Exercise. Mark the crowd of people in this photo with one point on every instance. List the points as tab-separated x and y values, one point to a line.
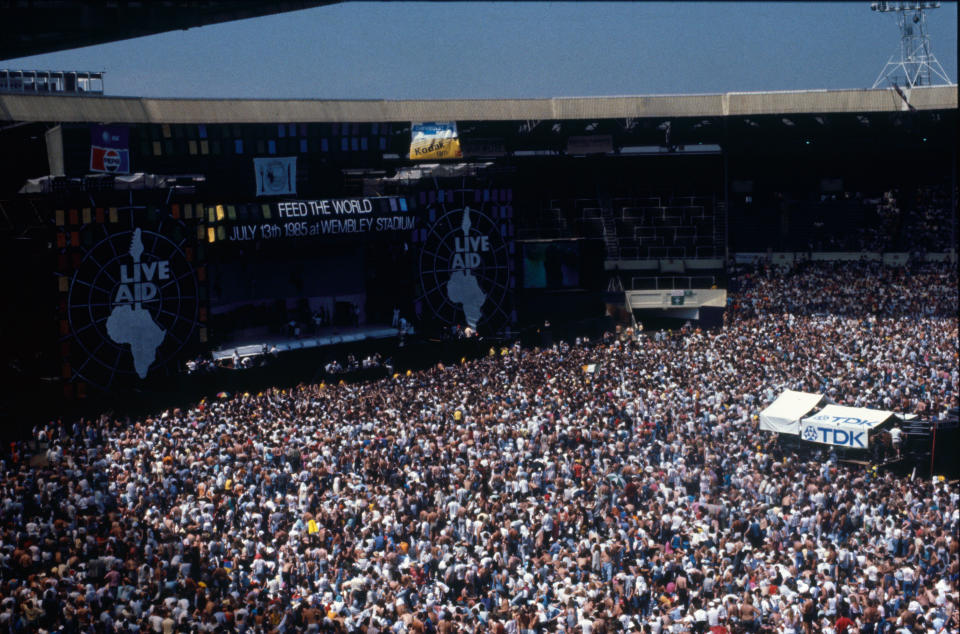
372	361
917	220
929	227
591	487
882	225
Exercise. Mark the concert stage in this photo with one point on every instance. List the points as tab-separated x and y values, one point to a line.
252	345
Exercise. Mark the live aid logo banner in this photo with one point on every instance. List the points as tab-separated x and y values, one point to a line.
276	175
109	149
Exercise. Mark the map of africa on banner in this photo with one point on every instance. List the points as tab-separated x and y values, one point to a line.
131	324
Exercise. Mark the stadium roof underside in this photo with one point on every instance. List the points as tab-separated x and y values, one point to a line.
78	109
45	26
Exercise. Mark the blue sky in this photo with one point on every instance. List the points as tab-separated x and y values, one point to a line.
435	50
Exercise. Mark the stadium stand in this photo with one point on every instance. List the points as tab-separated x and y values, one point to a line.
618	482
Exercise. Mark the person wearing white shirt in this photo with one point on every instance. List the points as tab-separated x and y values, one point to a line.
700	619
713	614
909	586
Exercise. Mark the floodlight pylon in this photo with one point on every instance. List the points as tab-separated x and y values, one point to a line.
913	64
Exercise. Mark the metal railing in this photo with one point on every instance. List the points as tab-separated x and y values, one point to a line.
51	81
671	282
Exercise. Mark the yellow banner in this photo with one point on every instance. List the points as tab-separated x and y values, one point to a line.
432	140
434	148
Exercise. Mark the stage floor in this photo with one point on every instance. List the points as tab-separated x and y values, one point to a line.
252	345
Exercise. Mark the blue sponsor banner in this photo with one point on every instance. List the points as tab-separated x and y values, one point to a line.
436	129
109	149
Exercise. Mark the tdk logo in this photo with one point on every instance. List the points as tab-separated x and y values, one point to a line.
849	420
831	436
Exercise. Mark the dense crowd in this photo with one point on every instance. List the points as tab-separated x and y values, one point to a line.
882	225
929	226
620	485
914	221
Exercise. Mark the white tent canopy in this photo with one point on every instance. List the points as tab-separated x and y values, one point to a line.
844	426
784	414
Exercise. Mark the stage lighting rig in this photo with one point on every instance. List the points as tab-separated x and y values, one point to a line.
913	64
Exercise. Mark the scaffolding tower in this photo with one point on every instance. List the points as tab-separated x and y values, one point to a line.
913	63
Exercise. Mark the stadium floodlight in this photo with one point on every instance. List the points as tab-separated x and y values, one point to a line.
913	64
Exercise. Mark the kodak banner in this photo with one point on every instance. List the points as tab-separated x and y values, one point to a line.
434	140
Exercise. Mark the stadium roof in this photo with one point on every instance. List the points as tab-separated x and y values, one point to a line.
70	108
44	26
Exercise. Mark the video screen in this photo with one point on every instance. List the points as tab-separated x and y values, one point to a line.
551	264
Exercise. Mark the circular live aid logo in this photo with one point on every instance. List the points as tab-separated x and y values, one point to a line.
132	306
276	177
464	269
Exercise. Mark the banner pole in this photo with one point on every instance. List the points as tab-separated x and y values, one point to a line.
933	445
